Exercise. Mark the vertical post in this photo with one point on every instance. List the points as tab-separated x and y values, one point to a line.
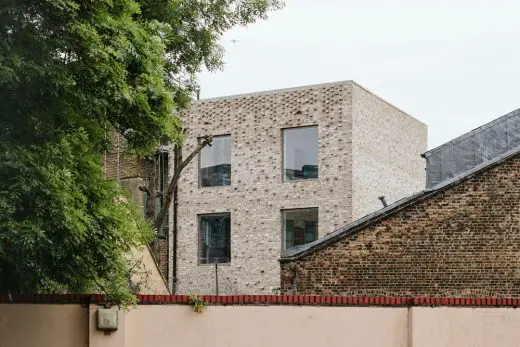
177	159
295	282
216	277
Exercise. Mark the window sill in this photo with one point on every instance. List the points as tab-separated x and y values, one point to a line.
213	264
302	180
213	187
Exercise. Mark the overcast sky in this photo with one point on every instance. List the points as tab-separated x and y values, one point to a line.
453	64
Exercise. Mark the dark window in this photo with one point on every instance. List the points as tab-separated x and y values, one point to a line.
160	186
215	163
214	241
300	153
300	226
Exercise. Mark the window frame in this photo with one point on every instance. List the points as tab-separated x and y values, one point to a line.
282	213
284	180
199	161
199	238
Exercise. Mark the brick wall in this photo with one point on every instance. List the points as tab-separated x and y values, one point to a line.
257	194
133	171
386	148
118	163
463	240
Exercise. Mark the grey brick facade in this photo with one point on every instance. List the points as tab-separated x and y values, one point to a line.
366	148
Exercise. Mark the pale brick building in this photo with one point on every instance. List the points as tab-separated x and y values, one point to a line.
286	167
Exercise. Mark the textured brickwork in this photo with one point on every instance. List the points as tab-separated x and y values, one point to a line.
119	164
386	144
460	241
257	194
159	248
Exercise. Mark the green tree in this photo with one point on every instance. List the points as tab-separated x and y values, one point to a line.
71	71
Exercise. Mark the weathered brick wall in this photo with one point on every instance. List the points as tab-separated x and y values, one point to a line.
159	249
118	163
386	148
257	194
462	241
134	171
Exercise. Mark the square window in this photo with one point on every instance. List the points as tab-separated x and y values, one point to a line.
215	238
300	153
215	163
300	226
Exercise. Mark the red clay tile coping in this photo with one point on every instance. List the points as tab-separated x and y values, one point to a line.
298	300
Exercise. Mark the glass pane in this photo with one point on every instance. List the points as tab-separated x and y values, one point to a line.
300	153
163	171
215	163
215	239
300	226
289	232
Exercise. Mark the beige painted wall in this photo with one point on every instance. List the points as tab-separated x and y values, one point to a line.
43	325
26	325
113	339
260	326
460	327
146	273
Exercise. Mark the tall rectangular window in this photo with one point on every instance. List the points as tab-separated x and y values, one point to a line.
300	226
300	153
215	163
215	238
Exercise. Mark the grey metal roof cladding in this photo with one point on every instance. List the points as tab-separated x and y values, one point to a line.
350	229
473	148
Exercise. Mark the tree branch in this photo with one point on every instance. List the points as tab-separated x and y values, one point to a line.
146	190
159	221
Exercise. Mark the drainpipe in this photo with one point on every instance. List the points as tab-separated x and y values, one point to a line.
177	158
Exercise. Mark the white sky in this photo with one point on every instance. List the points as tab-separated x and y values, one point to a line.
454	65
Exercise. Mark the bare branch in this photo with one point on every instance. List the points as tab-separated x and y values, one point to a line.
159	221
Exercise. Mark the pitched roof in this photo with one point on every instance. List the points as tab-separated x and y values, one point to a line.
370	219
469	150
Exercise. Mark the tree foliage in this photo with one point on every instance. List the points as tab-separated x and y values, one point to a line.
71	70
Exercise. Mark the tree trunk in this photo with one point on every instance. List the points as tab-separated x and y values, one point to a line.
161	217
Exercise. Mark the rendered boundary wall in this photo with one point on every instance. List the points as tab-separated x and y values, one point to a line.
263	320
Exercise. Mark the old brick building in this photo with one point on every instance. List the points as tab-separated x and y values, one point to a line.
133	171
286	167
460	237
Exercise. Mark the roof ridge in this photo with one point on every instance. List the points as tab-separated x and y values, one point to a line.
474	131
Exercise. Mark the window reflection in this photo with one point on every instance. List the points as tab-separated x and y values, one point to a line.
215	163
214	241
300	226
300	153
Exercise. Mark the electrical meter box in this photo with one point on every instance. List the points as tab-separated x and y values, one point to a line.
107	319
